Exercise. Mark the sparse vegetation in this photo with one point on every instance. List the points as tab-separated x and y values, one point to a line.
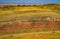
29	18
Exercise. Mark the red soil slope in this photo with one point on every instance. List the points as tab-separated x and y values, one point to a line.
36	26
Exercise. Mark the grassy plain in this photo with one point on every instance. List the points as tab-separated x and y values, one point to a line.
33	35
10	14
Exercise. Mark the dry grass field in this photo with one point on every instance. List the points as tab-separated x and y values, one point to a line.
30	21
33	35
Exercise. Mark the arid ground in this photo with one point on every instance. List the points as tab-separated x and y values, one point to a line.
29	21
